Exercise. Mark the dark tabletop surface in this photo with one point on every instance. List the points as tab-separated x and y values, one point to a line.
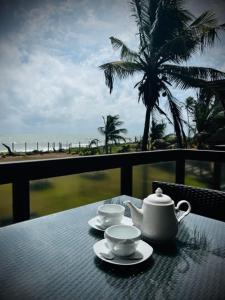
52	258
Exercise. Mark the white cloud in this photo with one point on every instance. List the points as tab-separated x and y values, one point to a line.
42	87
50	79
53	90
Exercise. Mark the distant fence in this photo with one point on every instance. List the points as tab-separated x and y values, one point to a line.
43	146
50	146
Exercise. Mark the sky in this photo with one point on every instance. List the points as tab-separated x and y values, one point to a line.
50	51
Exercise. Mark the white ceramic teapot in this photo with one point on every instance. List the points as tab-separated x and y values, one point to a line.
157	218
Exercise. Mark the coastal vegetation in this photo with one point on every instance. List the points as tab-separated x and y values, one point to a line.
169	35
111	131
204	127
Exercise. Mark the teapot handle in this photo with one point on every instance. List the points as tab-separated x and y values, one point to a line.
186	212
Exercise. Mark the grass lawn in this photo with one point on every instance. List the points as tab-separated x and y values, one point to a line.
61	193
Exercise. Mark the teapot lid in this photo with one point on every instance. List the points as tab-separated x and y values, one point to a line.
159	198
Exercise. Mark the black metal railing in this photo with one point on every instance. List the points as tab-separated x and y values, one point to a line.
21	172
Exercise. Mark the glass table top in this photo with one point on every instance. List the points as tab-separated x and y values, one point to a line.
52	257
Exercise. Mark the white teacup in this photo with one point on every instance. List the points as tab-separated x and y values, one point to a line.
122	239
110	214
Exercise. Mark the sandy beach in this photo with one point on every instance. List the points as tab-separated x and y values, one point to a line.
36	156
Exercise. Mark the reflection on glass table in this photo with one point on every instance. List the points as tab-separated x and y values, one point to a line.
52	257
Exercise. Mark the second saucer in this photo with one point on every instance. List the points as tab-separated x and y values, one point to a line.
96	225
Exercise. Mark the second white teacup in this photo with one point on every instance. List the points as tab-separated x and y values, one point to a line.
122	239
110	214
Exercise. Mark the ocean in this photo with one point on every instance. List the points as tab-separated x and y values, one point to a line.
46	142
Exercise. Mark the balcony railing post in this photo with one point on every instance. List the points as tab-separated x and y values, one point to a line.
20	173
21	200
216	175
126	180
180	171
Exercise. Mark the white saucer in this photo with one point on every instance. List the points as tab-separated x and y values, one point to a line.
145	249
94	223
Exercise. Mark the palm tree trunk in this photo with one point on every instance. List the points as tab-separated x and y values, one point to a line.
146	130
188	122
106	145
10	152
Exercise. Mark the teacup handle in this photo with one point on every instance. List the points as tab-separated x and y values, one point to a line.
117	246
106	220
186	212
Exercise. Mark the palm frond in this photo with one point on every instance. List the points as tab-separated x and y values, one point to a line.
139	10
177	119
118	131
206	29
178	49
188	77
185	82
195	72
101	130
121	69
111	130
169	20
126	53
207	37
207	18
117	137
162	112
118	123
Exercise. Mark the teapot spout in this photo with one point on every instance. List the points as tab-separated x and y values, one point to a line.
136	214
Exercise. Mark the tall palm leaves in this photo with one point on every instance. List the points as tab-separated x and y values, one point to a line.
189	106
215	88
168	36
111	131
157	132
210	122
208	118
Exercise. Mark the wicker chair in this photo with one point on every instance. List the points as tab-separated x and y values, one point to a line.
205	202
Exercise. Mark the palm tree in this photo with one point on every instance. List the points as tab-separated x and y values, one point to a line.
209	118
94	143
168	36
214	88
111	131
189	106
157	131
